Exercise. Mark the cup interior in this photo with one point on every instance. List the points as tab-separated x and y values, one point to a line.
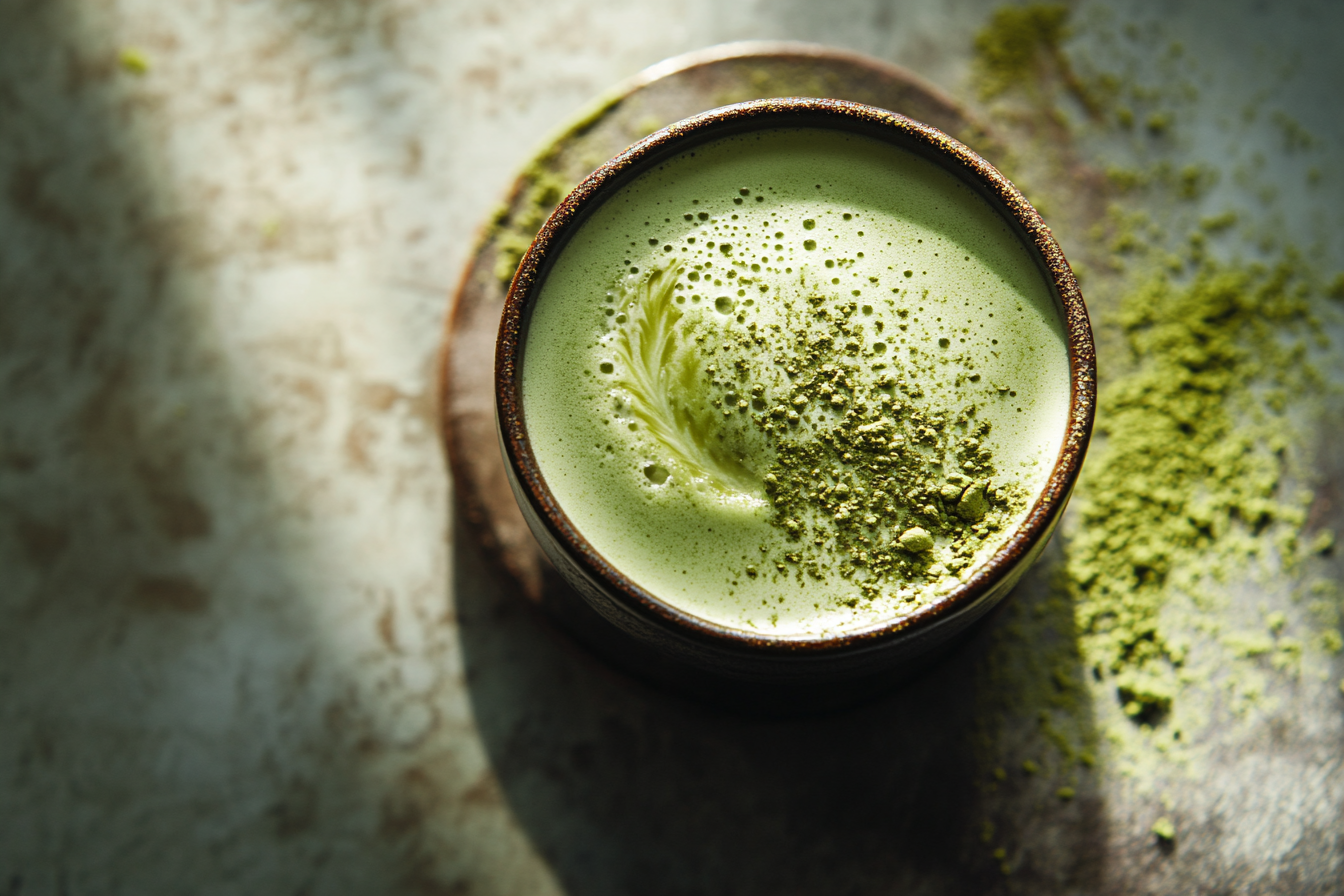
591	571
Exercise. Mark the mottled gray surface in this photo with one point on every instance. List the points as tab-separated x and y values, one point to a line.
242	649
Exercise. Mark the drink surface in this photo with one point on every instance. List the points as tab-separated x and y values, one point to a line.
796	381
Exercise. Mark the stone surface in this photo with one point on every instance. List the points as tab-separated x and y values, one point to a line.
242	647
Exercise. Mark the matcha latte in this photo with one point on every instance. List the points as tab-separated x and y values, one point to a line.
796	381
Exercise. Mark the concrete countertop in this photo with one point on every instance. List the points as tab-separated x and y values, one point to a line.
242	648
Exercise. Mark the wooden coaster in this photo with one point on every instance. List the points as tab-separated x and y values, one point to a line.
658	96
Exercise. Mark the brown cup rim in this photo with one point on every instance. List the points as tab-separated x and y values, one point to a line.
765	114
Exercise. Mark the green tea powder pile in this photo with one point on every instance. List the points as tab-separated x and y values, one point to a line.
1188	467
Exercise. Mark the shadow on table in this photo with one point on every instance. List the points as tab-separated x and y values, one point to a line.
166	651
625	789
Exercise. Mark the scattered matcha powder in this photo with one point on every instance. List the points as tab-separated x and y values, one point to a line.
1204	383
867	476
539	192
1018	43
882	477
1182	476
134	60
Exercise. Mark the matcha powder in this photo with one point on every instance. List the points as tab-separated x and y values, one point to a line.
883	472
867	475
1185	484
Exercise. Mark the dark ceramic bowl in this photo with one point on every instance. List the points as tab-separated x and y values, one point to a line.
763	671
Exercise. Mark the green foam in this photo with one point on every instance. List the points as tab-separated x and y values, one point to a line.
775	304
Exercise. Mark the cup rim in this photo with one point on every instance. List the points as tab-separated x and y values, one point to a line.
783	112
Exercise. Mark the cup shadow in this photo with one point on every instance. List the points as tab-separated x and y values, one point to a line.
624	788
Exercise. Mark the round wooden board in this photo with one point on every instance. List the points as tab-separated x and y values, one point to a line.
658	96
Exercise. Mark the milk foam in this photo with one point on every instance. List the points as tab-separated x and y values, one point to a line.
741	235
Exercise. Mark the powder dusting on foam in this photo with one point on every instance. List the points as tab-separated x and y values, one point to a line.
796	381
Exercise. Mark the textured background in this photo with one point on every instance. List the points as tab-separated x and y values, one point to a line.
242	649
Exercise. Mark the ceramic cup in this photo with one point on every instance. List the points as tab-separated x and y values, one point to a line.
657	639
